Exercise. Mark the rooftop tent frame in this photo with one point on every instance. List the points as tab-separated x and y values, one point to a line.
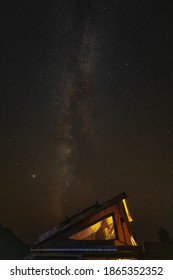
73	220
102	230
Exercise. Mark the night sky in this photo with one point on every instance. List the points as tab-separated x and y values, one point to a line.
86	111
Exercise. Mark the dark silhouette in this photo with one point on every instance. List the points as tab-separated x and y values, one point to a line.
11	247
164	235
101	233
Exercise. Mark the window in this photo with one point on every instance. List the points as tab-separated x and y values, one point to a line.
101	230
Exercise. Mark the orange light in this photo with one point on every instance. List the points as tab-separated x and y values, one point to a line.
127	211
133	241
107	224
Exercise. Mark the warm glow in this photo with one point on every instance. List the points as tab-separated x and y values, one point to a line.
90	233
127	211
133	241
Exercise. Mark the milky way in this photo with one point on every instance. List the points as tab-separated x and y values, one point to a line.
75	115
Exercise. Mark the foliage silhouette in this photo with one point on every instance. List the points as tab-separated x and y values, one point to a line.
11	247
164	235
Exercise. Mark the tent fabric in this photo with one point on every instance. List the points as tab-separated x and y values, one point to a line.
122	228
109	221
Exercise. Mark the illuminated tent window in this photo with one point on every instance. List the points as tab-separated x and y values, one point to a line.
102	230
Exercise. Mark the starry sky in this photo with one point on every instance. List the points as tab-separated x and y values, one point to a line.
86	111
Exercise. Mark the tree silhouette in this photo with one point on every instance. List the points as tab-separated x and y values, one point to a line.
11	247
164	235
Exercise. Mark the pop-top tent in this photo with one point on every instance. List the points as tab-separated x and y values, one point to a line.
100	229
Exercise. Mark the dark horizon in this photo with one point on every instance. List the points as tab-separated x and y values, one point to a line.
85	111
